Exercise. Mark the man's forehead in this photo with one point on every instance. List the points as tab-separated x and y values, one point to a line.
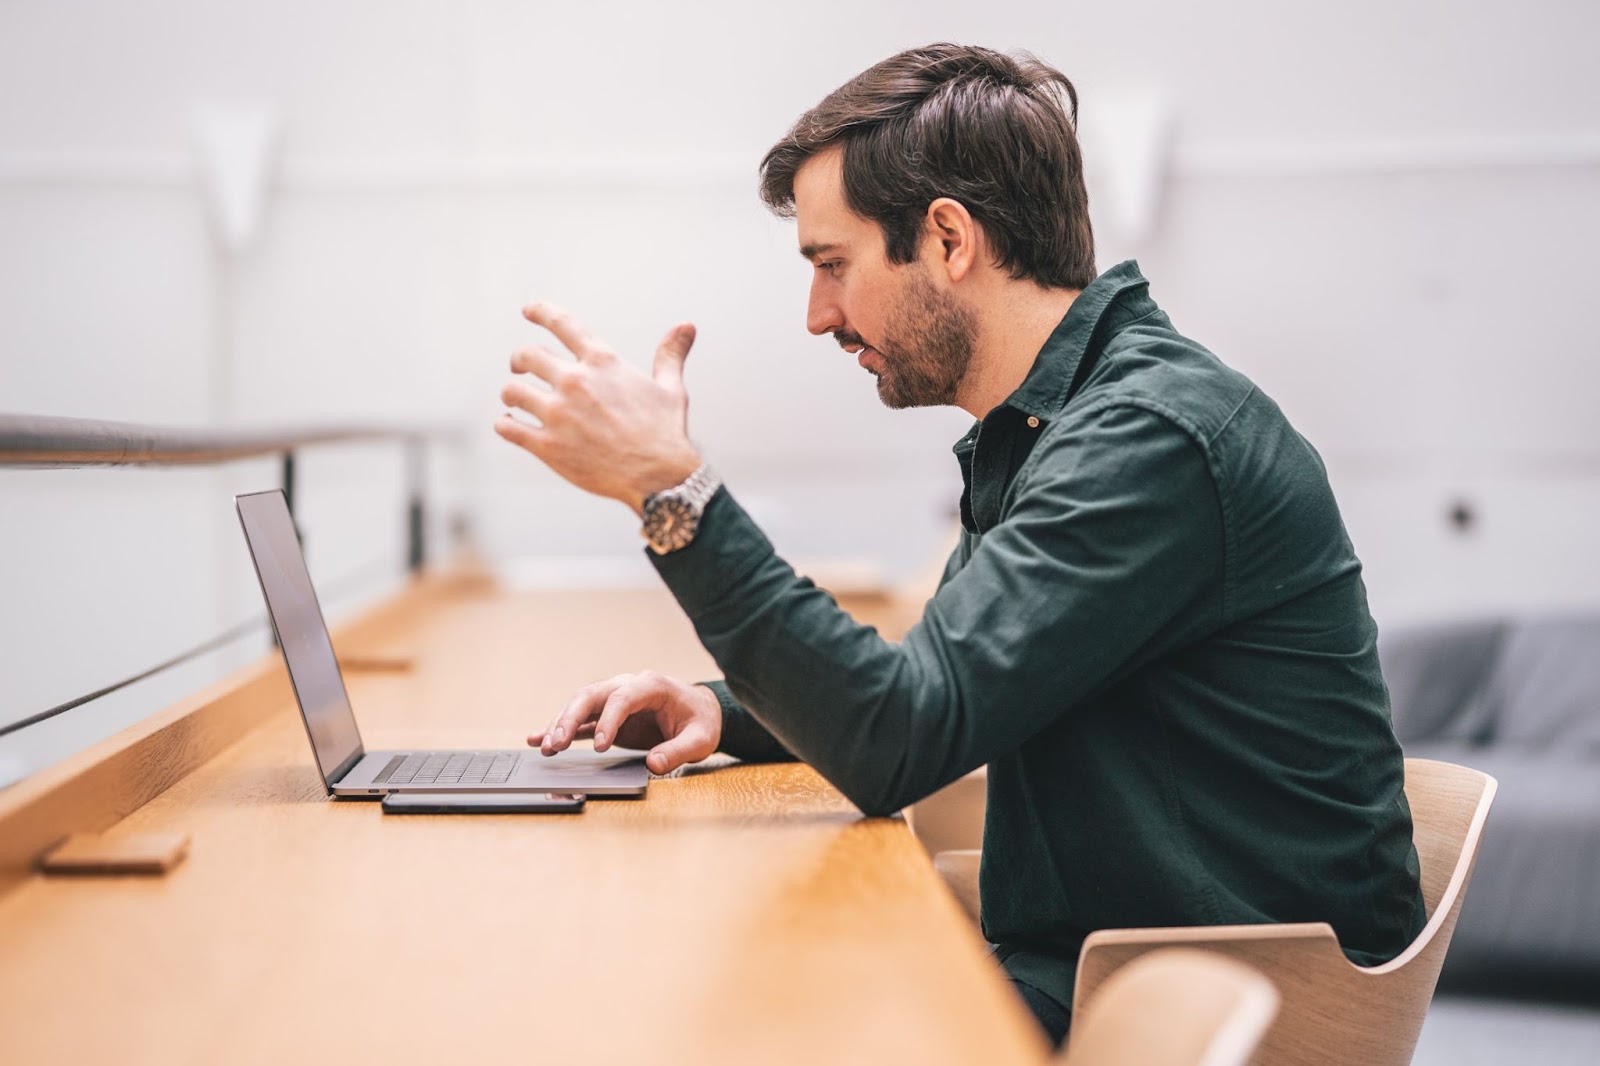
825	222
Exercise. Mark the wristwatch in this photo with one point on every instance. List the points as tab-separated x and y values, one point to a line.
672	516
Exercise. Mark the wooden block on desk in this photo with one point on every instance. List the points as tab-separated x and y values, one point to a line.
116	853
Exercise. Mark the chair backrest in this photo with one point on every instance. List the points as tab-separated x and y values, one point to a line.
1335	1013
952	818
1176	1007
1448	806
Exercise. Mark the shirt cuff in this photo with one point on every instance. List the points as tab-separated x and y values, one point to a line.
742	736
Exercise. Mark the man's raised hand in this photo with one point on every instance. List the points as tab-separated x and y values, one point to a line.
602	424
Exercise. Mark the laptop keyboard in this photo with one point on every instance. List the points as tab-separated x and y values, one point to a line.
439	768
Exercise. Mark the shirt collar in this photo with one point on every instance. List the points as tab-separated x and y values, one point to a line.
1121	289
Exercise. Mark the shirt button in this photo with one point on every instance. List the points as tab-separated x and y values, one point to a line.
1033	421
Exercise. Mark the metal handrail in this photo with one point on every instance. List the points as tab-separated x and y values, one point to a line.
52	441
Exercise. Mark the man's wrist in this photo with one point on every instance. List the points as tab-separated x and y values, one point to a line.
714	706
670	473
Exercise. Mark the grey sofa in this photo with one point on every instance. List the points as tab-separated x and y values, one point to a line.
1518	699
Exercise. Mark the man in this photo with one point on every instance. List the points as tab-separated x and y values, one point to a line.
1153	631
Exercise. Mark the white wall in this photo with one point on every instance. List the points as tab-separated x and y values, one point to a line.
1382	211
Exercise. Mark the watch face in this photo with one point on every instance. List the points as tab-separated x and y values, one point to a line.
671	523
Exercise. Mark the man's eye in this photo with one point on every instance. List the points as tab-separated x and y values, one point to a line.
829	266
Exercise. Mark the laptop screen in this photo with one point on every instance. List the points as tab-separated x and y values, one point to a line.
302	634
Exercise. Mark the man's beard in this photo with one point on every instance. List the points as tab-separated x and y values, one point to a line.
926	347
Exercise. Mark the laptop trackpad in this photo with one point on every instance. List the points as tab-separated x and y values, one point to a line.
619	771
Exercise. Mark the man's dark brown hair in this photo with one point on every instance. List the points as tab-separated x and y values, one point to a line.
979	126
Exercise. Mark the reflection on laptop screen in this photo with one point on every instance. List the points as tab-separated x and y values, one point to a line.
303	635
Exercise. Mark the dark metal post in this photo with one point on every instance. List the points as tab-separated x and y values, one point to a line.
288	493
288	498
288	481
416	514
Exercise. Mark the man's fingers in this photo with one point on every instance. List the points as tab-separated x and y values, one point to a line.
639	694
526	396
583	732
691	745
529	438
574	334
541	362
670	356
584	705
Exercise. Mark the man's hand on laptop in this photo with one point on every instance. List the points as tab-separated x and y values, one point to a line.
604	425
679	723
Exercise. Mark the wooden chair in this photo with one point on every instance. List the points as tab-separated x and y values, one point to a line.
952	818
1174	1007
1334	1012
960	872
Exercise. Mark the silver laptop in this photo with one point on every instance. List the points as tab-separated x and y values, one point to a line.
348	769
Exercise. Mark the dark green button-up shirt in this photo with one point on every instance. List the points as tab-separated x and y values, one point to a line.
1153	631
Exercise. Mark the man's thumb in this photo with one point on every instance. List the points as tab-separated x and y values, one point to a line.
674	349
691	745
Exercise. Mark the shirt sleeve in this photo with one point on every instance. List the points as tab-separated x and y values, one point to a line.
745	738
1109	551
742	736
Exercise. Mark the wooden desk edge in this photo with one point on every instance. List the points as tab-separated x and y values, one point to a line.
98	787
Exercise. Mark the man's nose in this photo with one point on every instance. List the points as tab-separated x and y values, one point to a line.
822	314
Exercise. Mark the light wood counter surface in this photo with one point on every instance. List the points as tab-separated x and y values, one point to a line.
736	914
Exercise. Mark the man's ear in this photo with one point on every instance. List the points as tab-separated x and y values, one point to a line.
952	236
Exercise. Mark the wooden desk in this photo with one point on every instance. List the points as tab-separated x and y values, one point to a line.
737	914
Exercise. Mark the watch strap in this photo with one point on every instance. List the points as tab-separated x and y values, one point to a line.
698	488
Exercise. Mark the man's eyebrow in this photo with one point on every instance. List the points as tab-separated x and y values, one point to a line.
810	252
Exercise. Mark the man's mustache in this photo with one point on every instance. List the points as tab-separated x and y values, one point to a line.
845	338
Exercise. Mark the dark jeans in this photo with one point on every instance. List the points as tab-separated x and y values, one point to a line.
1053	1017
